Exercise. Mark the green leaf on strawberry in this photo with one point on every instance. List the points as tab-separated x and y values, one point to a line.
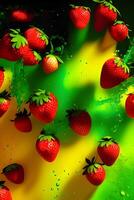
37	55
108	4
106	141
59	59
119	62
91	166
45	137
40	96
17	39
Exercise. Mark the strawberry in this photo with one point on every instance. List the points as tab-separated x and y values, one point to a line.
105	14
5	193
108	150
43	106
129	105
1	76
36	38
114	72
22	49
22	121
47	146
14	173
6	50
80	16
79	121
4	102
94	172
21	15
119	31
50	63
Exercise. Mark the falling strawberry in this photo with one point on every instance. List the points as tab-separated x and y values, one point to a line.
15	47
108	150
5	193
22	121
105	14
43	105
21	15
14	173
119	31
80	16
22	49
79	121
1	76
4	102
6	50
47	146
129	105
114	72
36	38
50	63
94	172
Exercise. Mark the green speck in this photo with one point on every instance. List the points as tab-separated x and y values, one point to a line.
57	184
123	193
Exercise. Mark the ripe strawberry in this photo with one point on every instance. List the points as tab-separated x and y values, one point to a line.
50	63
22	121
79	121
114	72
105	14
14	173
22	50
119	31
108	150
21	15
6	50
4	102
47	146
129	105
36	38
43	106
30	57
5	193
80	16
94	172
1	76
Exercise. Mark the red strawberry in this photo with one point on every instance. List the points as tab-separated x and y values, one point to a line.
22	50
36	38
108	150
129	105
6	50
43	106
21	15
114	72
50	63
14	173
119	31
4	102
22	121
47	146
94	172
5	193
79	121
30	57
1	76
105	14
80	16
